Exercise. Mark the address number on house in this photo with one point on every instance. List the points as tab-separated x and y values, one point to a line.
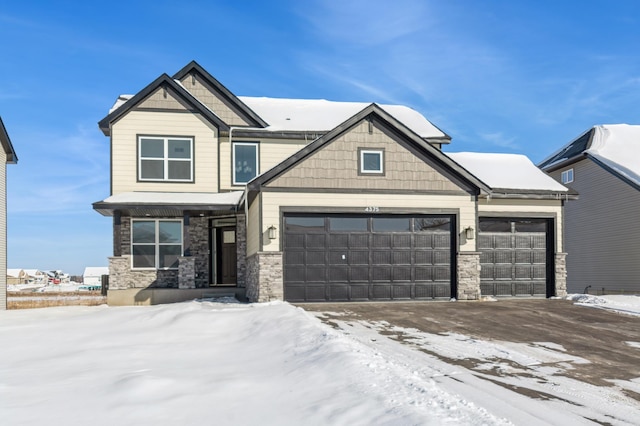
372	209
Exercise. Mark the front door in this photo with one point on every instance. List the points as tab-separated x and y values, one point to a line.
226	255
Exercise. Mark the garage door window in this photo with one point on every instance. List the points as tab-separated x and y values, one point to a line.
354	224
531	226
433	224
495	225
391	224
304	224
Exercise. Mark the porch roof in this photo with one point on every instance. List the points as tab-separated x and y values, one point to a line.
168	203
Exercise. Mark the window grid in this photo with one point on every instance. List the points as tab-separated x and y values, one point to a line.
166	159
159	248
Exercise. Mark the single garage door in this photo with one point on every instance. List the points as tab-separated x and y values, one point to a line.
361	257
515	257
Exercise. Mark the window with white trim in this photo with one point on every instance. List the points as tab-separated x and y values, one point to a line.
156	243
567	176
245	162
371	161
165	159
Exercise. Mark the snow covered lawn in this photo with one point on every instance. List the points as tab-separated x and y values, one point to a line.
219	363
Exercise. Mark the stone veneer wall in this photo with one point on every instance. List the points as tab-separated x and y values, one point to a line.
186	272
561	274
468	276
121	276
199	249
264	277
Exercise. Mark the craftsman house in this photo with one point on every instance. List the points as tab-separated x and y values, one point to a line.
601	233
312	200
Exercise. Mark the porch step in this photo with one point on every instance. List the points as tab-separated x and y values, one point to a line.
217	295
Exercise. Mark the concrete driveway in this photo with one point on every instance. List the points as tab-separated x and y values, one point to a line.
593	334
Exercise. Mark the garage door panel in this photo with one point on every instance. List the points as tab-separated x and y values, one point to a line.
294	241
381	273
380	292
423	257
402	257
315	258
315	293
401	291
401	273
339	274
513	258
358	241
381	257
359	274
316	274
381	241
339	241
339	292
359	292
401	241
367	257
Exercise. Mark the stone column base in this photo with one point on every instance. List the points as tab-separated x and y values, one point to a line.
561	274
469	275
264	277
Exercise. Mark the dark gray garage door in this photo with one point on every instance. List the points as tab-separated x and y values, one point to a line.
514	257
358	257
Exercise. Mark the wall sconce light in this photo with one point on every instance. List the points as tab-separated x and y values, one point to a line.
271	232
468	233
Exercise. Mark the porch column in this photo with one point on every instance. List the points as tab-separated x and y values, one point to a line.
561	274
117	233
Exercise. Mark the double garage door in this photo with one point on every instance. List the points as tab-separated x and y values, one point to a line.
515	257
367	257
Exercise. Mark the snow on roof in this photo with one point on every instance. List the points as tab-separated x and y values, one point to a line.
508	171
322	115
617	146
95	271
14	272
173	198
319	114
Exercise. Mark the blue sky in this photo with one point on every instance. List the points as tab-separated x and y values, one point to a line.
497	76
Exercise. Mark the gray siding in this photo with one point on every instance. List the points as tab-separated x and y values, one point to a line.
602	237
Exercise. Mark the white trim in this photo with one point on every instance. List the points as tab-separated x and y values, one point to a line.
567	176
156	243
165	159
380	154
233	160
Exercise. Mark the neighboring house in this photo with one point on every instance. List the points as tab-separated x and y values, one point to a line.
93	275
7	156
26	276
312	200
602	235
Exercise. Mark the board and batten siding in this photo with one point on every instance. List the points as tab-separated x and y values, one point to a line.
602	237
3	230
320	202
526	209
271	153
124	162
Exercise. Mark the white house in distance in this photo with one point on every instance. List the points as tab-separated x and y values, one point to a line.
314	200
601	226
7	156
92	275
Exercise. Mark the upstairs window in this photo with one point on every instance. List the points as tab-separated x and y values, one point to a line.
156	244
567	176
165	159
245	162
371	161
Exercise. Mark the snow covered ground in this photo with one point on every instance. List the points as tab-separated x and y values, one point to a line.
209	362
